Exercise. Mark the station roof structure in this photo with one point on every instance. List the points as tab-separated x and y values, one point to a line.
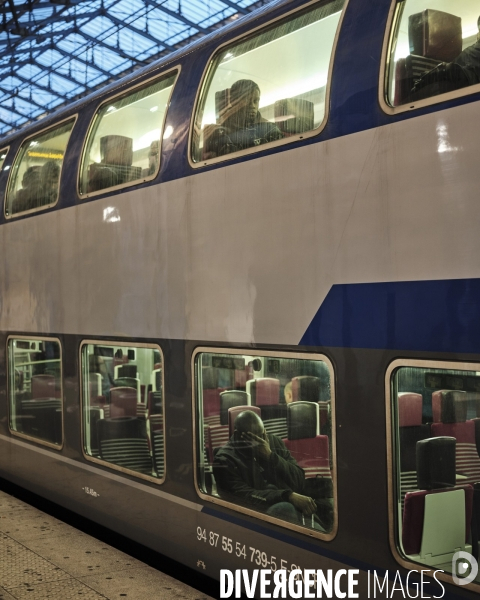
53	52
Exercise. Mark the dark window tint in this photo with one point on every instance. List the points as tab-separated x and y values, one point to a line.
123	417
434	49
35	178
125	141
35	385
437	467
269	87
264	431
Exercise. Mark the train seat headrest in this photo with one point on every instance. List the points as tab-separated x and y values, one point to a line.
436	463
409	409
435	34
306	388
294	115
264	391
302	420
116	150
231	398
209	378
449	406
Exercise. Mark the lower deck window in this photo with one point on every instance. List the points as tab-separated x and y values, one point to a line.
35	389
123	420
265	438
437	436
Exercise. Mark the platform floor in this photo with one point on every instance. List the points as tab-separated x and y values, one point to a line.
43	558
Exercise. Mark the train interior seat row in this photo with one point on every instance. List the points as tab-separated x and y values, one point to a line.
115	166
440	455
291	115
264	393
39	406
437	518
434	37
124	143
122	403
303	423
126	424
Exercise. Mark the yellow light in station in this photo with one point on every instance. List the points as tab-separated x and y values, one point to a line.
51	155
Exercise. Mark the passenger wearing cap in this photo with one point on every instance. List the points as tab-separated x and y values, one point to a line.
461	72
241	124
50	175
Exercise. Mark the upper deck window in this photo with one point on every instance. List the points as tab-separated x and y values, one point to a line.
435	49
35	177
270	87
124	143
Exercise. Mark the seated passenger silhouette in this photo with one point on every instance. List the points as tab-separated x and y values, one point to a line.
50	175
27	197
97	364
469	61
255	469
461	72
241	124
153	157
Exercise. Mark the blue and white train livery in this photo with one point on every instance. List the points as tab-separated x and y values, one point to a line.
281	219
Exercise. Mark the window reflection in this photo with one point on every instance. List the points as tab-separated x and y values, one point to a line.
3	156
265	435
437	414
36	399
281	89
36	172
436	49
124	144
123	407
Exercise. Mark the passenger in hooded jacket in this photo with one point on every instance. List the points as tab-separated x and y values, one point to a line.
255	469
445	77
241	124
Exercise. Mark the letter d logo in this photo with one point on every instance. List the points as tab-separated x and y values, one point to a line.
464	568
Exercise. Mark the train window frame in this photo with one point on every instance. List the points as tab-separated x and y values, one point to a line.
123	344
385	67
92	129
5	150
19	155
19	434
327	537
392	459
210	69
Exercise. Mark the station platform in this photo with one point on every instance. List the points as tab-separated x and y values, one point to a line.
44	558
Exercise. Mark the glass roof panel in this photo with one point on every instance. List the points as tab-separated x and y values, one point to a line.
54	51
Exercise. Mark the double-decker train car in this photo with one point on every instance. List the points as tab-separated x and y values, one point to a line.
279	219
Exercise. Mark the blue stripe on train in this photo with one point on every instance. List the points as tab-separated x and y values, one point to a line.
440	316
